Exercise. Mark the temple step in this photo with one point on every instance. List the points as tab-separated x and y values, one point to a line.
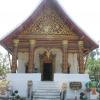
46	91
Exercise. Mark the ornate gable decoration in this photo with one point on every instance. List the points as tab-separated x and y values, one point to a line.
48	22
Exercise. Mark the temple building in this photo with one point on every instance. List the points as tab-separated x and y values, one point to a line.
48	42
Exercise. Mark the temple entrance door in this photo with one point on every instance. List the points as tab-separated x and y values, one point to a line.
47	72
47	66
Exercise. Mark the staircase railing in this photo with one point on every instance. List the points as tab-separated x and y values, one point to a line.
62	95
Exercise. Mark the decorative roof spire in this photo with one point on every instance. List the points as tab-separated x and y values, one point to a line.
49	0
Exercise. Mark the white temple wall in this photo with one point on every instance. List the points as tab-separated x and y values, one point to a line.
58	59
38	52
73	63
22	61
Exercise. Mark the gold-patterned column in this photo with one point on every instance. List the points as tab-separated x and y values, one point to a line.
81	57
65	56
31	56
14	56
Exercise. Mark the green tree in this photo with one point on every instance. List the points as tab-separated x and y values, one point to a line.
4	64
93	63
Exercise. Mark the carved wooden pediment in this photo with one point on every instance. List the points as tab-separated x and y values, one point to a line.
48	22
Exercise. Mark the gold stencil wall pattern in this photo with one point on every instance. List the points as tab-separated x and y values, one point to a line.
48	22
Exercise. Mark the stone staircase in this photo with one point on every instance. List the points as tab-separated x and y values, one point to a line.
46	91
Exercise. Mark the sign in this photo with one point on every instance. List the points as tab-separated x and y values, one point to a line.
92	78
75	85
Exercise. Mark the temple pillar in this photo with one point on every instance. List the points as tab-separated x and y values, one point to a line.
81	57
31	56
14	56
65	56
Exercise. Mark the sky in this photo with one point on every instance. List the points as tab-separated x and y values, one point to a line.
85	13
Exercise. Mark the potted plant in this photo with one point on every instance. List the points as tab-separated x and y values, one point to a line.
93	85
15	95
